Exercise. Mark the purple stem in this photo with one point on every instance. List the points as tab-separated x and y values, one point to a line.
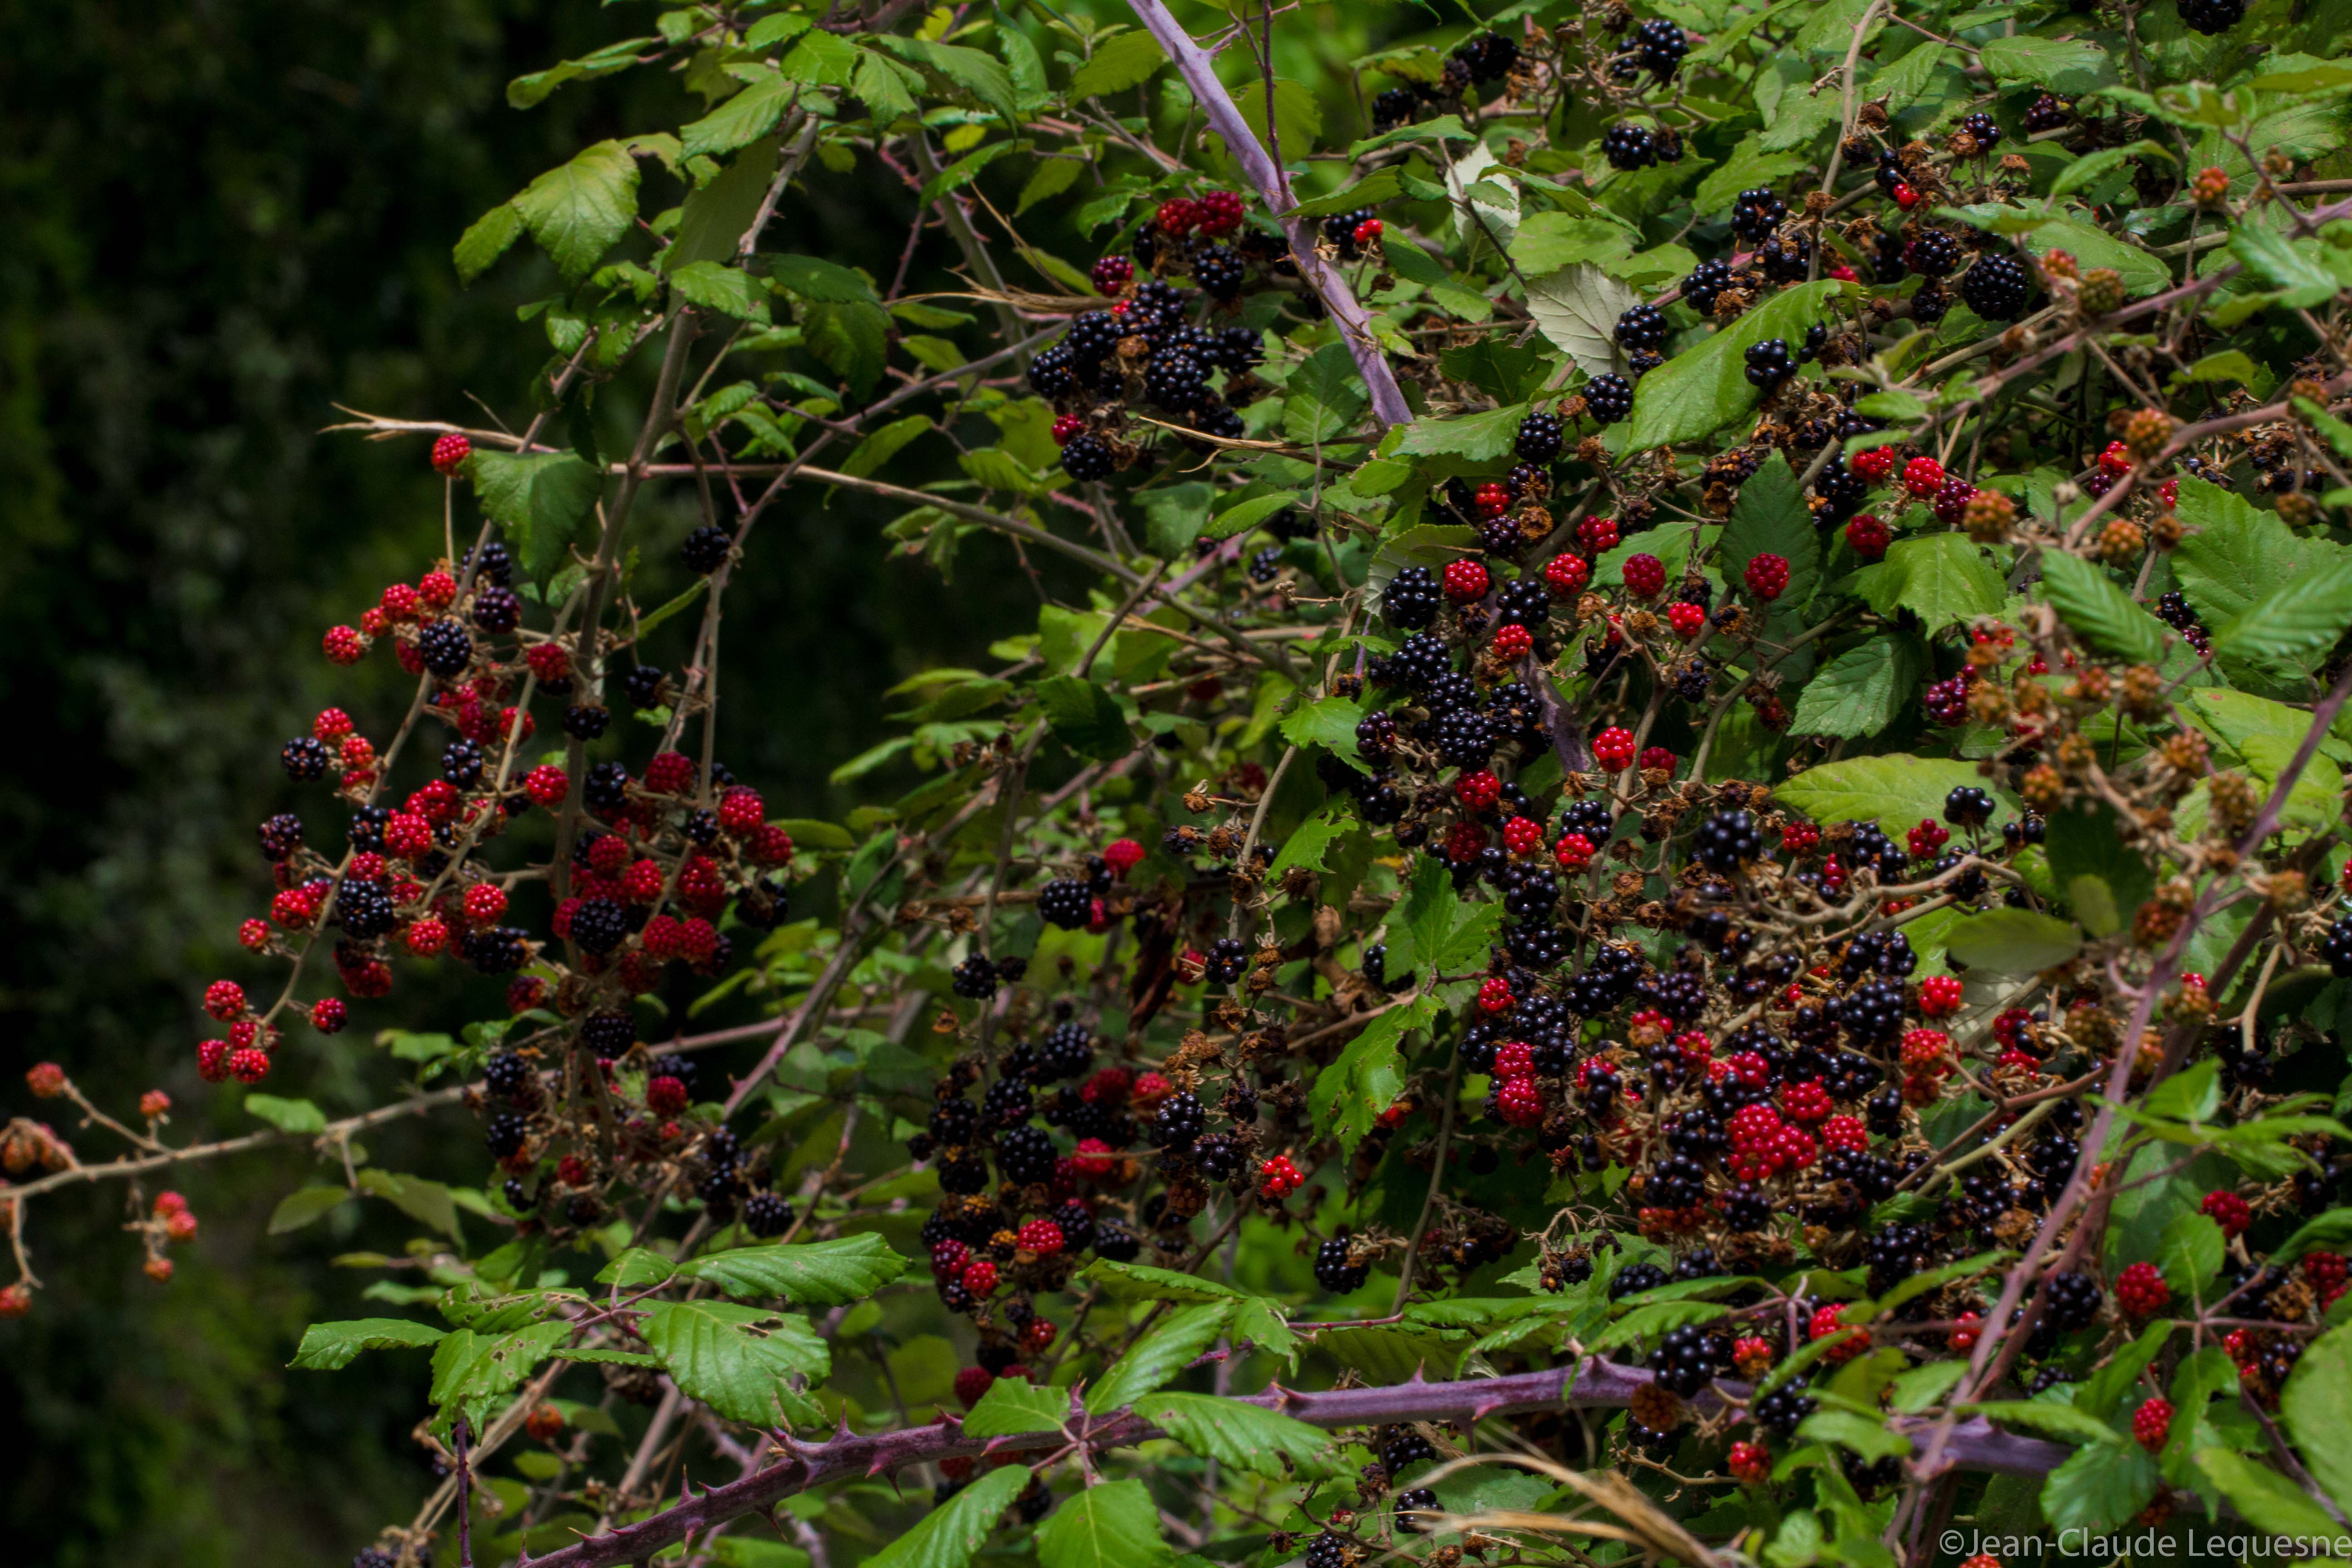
1200	74
1974	1444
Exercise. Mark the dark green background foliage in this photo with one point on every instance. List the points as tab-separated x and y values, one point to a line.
224	219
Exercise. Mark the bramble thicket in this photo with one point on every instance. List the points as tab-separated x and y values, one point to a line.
1663	876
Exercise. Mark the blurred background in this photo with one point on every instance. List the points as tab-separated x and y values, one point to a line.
223	218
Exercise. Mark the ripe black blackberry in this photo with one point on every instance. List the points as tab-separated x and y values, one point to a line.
1228	961
1982	131
1175	380
766	1214
2027	829
2049	111
363	910
1642	327
1590	817
1409	1502
1466	738
1401	1448
1634	1278
496	610
607	787
461	763
1329	1551
1996	287
1267	564
1757	213
1968	807
1727	841
509	1077
373	1557
1332	1270
1067	1050
1340	229
1661	45
1007	1102
1788	262
496	564
586	722
1539	437
1053	374
1700	1263
1872	1013
1394	107
599	925
642	684
1781	1411
506	1135
1768	365
1707	281
496	950
1489	56
1609	398
304	759
1115	1241
1524	602
1932	253
1178	1122
2072	1300
705	551
2213	16
974	979
1087	458
1219	272
1025	1154
2336	950
1684	1360
1067	903
1627	146
444	649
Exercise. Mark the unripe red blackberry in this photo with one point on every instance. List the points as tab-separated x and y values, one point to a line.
2141	1290
1597	534
1565	574
2152	1422
248	1063
1767	575
450	452
1613	748
1868	537
1466	582
1645	577
1112	273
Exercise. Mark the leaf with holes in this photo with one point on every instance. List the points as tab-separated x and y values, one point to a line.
326	1347
739	1360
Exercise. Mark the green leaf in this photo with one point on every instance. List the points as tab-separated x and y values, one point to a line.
2294	267
420	1200
1329	723
1368	1075
2141	273
1940	578
1480	437
1322	401
304	1204
491	236
2100	1486
2191	1251
2237	554
806	1273
287	1115
1705	387
2070	66
2102	1394
710	224
468	1365
2084	170
1050	177
726	290
1576	308
2100	878
326	1347
578	211
737	1360
2289	629
850	340
1232	1433
2014	941
1141	1282
2268	1499
949	1535
2096	608
1548	241
742	120
1173	1345
1014	1405
1893	791
982	75
2331	1232
2312	1405
1311	842
1866	1435
1085	717
1771	519
540	500
1126	62
1434	929
2048	1417
636	1266
1863	690
1113	1525
1242	516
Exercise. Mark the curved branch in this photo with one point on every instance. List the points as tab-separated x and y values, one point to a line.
1594	1383
1200	74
